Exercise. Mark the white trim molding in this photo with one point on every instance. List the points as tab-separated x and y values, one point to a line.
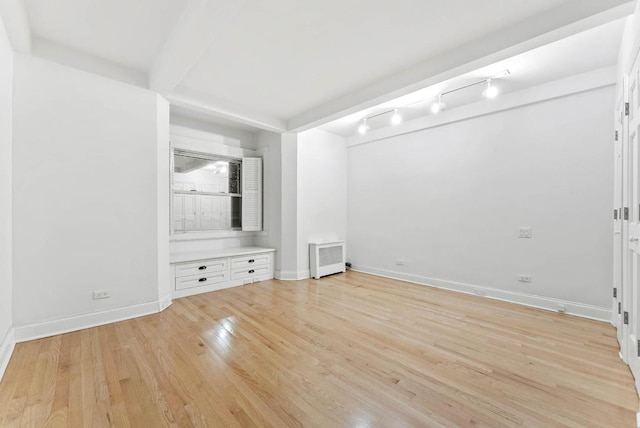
289	275
24	333
164	302
541	302
6	350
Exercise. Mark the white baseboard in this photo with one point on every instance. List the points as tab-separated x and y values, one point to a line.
548	303
289	275
27	332
164	302
6	350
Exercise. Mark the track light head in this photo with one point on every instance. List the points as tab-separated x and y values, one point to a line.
363	128
492	91
437	107
396	119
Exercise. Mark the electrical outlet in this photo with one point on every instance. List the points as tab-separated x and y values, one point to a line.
524	232
399	262
101	294
524	278
562	308
479	291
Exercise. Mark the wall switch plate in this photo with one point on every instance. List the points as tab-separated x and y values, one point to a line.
399	262
524	278
524	232
101	294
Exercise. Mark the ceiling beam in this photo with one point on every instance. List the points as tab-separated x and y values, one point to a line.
16	23
199	25
571	18
195	101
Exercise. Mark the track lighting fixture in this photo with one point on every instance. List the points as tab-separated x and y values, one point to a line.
490	92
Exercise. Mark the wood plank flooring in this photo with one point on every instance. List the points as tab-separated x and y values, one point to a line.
349	350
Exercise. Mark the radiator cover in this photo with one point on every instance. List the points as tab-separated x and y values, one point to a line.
326	258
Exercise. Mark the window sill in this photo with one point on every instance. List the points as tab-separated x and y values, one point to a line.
193	236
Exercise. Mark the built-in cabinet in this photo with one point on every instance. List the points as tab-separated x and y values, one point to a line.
205	271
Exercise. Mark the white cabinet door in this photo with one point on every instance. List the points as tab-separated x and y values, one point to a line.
178	213
184	208
191	220
212	212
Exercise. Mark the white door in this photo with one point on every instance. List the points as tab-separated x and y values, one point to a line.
617	215
626	254
632	300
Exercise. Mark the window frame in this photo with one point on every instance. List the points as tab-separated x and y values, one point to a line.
209	233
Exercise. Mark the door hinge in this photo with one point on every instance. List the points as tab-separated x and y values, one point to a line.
626	213
626	317
626	109
619	307
615	214
616	135
615	292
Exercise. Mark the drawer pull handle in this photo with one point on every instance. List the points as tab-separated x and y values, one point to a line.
202	267
202	279
251	261
251	271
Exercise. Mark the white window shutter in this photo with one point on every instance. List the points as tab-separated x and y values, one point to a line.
251	194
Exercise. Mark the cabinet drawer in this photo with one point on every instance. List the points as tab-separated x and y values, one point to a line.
202	268
250	261
195	281
251	271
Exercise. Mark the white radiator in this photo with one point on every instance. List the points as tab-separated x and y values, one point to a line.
326	258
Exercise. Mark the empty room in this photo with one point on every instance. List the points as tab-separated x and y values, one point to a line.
285	213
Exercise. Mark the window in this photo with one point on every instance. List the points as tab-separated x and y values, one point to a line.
208	193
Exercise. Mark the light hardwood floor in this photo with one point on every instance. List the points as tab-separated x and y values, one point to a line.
349	350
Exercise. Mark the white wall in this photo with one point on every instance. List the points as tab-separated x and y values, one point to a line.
86	192
448	201
163	166
230	136
322	191
269	147
630	43
289	209
6	76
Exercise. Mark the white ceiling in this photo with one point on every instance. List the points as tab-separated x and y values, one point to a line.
291	64
590	50
297	55
126	32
